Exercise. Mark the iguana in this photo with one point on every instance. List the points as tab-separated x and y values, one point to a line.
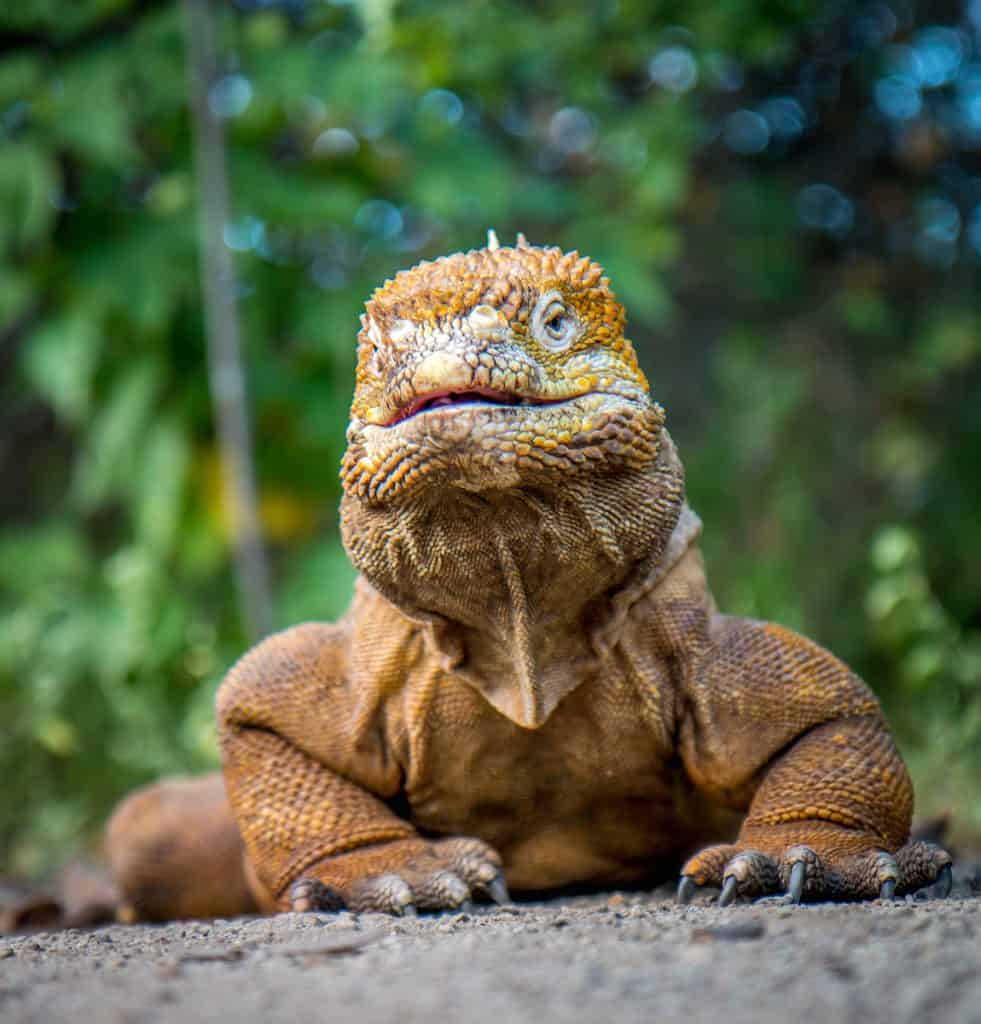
533	688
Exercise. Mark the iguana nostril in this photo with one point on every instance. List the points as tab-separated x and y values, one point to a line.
485	321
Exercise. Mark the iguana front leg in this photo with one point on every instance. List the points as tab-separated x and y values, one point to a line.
776	722
316	841
302	767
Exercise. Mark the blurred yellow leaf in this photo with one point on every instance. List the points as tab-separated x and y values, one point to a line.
57	736
285	516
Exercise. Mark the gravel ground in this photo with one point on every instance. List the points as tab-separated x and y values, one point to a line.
619	957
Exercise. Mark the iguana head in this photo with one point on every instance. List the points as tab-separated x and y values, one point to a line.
494	369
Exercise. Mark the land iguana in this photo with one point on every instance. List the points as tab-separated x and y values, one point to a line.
533	688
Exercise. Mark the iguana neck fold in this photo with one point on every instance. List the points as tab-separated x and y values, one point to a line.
523	588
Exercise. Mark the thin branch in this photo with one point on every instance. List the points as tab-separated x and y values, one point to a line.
226	376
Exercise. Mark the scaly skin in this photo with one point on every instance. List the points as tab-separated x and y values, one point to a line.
533	682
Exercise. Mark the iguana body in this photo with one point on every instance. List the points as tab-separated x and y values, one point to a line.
533	682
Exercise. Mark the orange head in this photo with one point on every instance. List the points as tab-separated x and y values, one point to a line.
494	369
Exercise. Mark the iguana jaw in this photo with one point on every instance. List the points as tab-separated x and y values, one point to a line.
480	446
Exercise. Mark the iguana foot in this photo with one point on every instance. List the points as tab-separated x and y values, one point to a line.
799	873
401	877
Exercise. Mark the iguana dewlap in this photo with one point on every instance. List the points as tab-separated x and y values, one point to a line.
532	684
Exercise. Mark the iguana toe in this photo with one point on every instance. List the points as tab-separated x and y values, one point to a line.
387	893
922	864
497	889
687	888
441	890
795	887
308	894
728	894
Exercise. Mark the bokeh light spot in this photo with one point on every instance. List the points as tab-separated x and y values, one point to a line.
746	132
940	51
785	117
823	208
230	96
973	231
442	105
244	234
939	219
336	142
969	101
379	218
572	130
898	97
674	69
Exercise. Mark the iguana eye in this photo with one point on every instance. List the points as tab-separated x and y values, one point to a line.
552	323
557	324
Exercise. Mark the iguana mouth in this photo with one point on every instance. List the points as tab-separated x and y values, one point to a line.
465	396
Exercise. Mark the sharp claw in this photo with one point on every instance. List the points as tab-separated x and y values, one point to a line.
497	889
409	910
728	893
795	888
887	891
944	882
686	889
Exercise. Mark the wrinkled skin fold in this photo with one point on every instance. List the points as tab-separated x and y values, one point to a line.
533	687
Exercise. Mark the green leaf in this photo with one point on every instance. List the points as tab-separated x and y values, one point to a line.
118	433
160	487
36	556
16	291
28	180
88	109
60	360
20	75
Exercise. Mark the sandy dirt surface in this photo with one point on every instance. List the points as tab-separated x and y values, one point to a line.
609	958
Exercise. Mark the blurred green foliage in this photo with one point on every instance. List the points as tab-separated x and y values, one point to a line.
791	215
